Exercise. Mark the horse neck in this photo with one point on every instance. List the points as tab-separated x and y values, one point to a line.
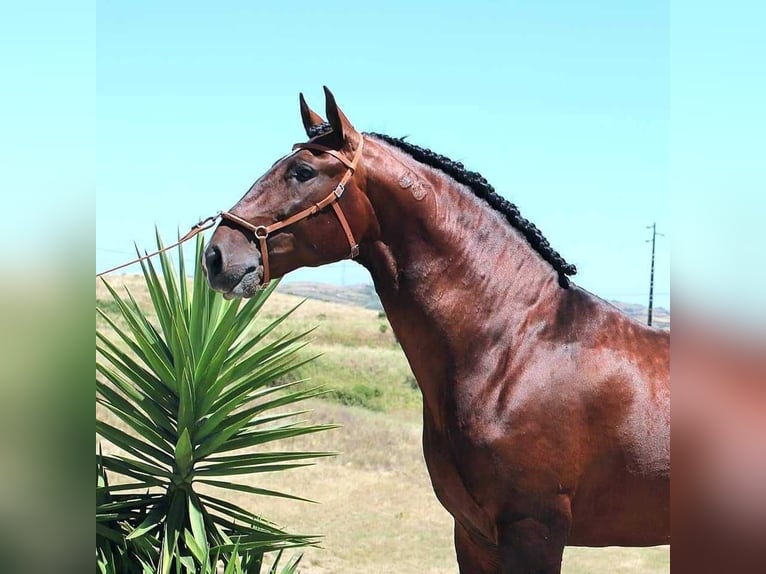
452	274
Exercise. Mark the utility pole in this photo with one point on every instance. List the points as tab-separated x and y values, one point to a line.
653	227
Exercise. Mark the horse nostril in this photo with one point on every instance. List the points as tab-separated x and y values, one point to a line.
213	260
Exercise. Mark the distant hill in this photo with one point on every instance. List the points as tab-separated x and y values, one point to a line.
660	315
364	295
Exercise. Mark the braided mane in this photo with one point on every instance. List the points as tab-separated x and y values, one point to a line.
482	189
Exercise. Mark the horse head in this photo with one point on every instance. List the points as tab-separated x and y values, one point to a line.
309	209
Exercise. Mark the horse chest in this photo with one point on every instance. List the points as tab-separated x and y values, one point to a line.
454	487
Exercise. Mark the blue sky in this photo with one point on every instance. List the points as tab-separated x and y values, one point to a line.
564	109
47	129
596	120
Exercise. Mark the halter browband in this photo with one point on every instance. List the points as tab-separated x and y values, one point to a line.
262	232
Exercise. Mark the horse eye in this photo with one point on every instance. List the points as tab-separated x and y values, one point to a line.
304	173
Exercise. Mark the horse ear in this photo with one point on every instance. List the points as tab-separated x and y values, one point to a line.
309	116
341	127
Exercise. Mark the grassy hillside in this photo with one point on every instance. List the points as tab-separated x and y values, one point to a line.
364	295
376	506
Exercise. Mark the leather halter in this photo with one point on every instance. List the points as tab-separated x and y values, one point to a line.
262	232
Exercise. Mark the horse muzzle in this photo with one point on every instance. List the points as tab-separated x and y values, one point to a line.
240	277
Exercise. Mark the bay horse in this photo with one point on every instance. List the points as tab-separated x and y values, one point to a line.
546	411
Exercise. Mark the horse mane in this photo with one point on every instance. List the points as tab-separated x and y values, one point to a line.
482	189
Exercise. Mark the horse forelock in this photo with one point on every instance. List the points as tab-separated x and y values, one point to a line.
319	130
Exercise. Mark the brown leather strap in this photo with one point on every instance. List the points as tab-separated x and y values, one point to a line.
198	227
262	232
244	223
347	230
265	277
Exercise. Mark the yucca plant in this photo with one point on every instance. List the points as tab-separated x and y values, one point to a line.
198	398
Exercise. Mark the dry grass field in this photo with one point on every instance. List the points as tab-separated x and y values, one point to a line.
374	502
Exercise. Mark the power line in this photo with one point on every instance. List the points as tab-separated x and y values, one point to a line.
653	227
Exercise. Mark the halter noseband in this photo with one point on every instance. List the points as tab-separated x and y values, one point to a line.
262	232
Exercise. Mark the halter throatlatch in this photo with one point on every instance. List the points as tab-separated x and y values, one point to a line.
262	232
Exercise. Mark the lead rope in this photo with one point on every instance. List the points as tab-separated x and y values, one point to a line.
197	228
262	232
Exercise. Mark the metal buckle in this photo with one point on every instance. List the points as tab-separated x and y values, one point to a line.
354	251
207	222
261	229
339	189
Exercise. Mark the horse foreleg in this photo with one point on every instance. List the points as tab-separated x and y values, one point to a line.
474	555
529	546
